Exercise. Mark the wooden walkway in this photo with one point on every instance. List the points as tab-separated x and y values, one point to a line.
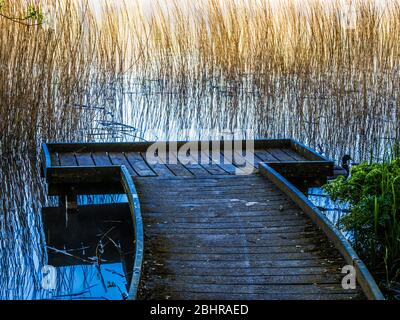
211	234
233	238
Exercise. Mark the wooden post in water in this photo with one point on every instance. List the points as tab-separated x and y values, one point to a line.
69	201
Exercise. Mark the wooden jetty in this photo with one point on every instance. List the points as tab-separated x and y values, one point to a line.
204	232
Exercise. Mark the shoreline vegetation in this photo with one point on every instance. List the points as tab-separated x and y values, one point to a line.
373	191
290	70
112	73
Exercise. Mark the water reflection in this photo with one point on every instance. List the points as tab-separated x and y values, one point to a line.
334	210
92	249
22	253
80	274
86	282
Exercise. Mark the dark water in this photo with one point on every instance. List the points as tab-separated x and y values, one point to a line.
23	245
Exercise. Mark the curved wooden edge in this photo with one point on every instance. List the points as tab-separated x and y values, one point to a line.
134	205
364	277
45	160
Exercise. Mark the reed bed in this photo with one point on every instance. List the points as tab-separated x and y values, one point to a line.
287	69
57	77
280	70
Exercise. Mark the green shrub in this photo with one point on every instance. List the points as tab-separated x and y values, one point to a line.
373	192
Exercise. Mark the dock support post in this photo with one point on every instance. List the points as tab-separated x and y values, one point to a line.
69	201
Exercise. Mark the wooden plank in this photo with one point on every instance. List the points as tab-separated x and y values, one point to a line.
227	163
248	289
101	159
216	207
139	164
211	167
283	231
79	175
251	236
118	158
84	159
188	186
225	224
271	214
211	180
280	154
99	187
216	212
170	293
265	156
175	166
226	240
294	155
240	270
206	192
253	251
160	169
243	156
187	196
195	167
248	257
245	199
172	163
233	249
314	279
67	159
245	265
280	219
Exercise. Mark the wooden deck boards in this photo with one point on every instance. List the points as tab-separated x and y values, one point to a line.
235	240
202	166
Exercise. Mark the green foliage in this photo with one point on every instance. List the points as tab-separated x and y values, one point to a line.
33	16
373	192
35	13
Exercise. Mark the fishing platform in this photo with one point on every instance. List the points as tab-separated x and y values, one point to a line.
201	229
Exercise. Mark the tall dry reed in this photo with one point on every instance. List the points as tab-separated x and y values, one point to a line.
282	69
57	77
